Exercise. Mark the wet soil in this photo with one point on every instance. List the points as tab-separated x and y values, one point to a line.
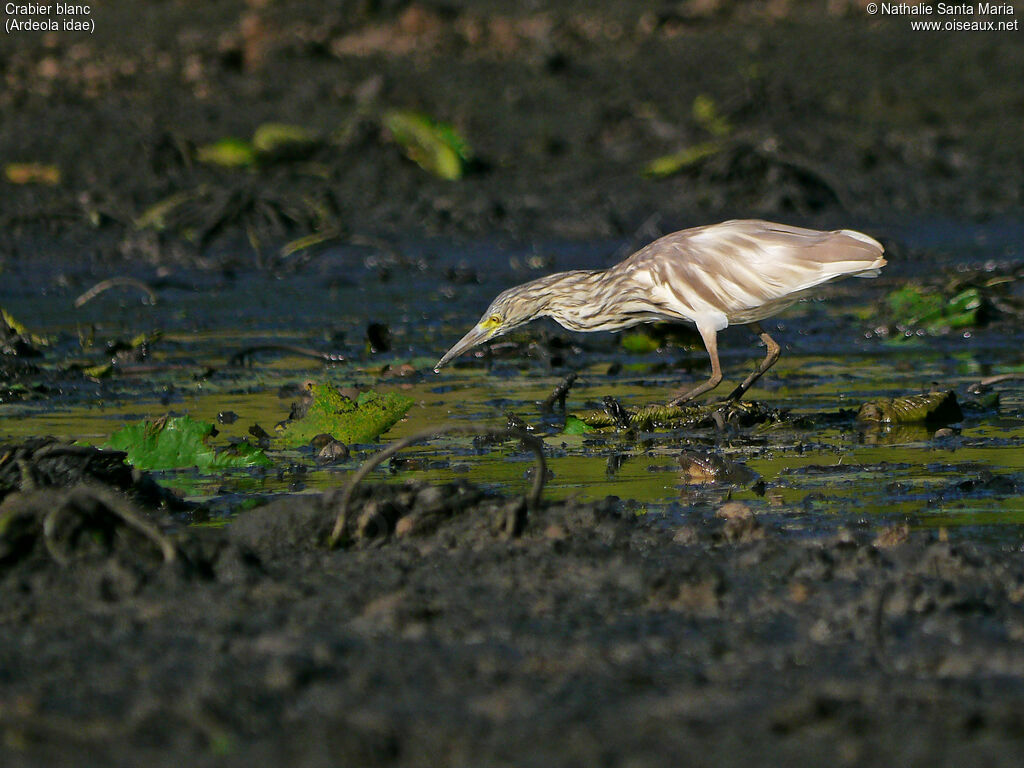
594	636
821	117
819	595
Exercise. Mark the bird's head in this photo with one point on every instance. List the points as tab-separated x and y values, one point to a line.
511	309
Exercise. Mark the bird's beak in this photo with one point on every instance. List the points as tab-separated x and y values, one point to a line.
477	335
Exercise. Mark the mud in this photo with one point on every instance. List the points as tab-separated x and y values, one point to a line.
810	591
814	115
594	637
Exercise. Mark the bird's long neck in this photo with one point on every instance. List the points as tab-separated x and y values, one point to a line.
583	300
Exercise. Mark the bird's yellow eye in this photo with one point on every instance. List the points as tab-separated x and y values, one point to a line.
492	322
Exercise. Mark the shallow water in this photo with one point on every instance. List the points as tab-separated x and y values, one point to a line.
429	293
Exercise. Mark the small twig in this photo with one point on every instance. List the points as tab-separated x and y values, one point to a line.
981	386
114	282
533	443
559	394
327	357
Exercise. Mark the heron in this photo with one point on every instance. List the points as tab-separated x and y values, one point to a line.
738	272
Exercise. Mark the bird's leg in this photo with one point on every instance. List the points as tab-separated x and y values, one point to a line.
769	360
710	336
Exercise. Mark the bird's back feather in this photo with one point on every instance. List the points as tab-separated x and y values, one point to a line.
745	270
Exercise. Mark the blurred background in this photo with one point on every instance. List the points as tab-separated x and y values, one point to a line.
226	131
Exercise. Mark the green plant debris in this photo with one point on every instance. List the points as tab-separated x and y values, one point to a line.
96	372
32	173
639	342
434	146
707	116
931	408
576	426
917	307
178	442
743	413
157	215
673	163
228	153
308	241
284	141
18	329
346	420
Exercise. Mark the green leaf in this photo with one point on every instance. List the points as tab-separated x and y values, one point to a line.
349	421
177	442
434	146
283	141
576	426
667	165
228	153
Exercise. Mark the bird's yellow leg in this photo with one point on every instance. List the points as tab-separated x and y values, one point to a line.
770	359
710	336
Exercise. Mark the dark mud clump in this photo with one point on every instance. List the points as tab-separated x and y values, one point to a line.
442	637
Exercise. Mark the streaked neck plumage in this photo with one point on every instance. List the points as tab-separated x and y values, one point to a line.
581	300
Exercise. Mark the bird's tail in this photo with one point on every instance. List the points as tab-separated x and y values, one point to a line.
862	255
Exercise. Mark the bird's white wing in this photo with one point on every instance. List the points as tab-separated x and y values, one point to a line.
746	270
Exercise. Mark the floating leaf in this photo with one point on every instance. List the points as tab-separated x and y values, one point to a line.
229	153
576	426
914	306
176	442
344	419
434	146
283	141
32	173
931	408
667	165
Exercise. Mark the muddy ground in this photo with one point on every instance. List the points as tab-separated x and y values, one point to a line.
821	117
453	627
461	632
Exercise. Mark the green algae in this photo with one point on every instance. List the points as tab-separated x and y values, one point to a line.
918	307
350	421
689	416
